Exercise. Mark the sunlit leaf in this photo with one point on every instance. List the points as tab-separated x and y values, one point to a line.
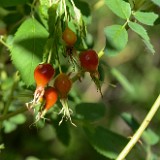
116	38
9	126
32	158
120	8
2	146
45	2
139	29
147	18
18	119
28	47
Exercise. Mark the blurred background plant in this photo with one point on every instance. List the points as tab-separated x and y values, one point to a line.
130	84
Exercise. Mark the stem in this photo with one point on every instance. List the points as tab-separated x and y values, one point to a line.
61	8
73	4
65	11
140	130
50	2
58	60
101	53
76	11
32	8
49	56
77	76
1	41
149	154
9	115
9	101
98	5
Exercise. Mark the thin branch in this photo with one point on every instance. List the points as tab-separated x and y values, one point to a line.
141	129
9	115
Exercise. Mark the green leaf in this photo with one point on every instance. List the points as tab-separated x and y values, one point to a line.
120	8
32	158
27	48
9	126
2	146
139	29
106	142
9	3
43	12
18	119
90	111
147	18
117	37
83	6
45	3
148	136
157	2
111	52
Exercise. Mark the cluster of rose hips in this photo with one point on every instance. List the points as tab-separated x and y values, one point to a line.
87	62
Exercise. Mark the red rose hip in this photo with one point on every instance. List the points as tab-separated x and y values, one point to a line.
69	37
51	97
43	74
63	84
89	60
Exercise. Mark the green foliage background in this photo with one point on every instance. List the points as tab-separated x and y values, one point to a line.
126	36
